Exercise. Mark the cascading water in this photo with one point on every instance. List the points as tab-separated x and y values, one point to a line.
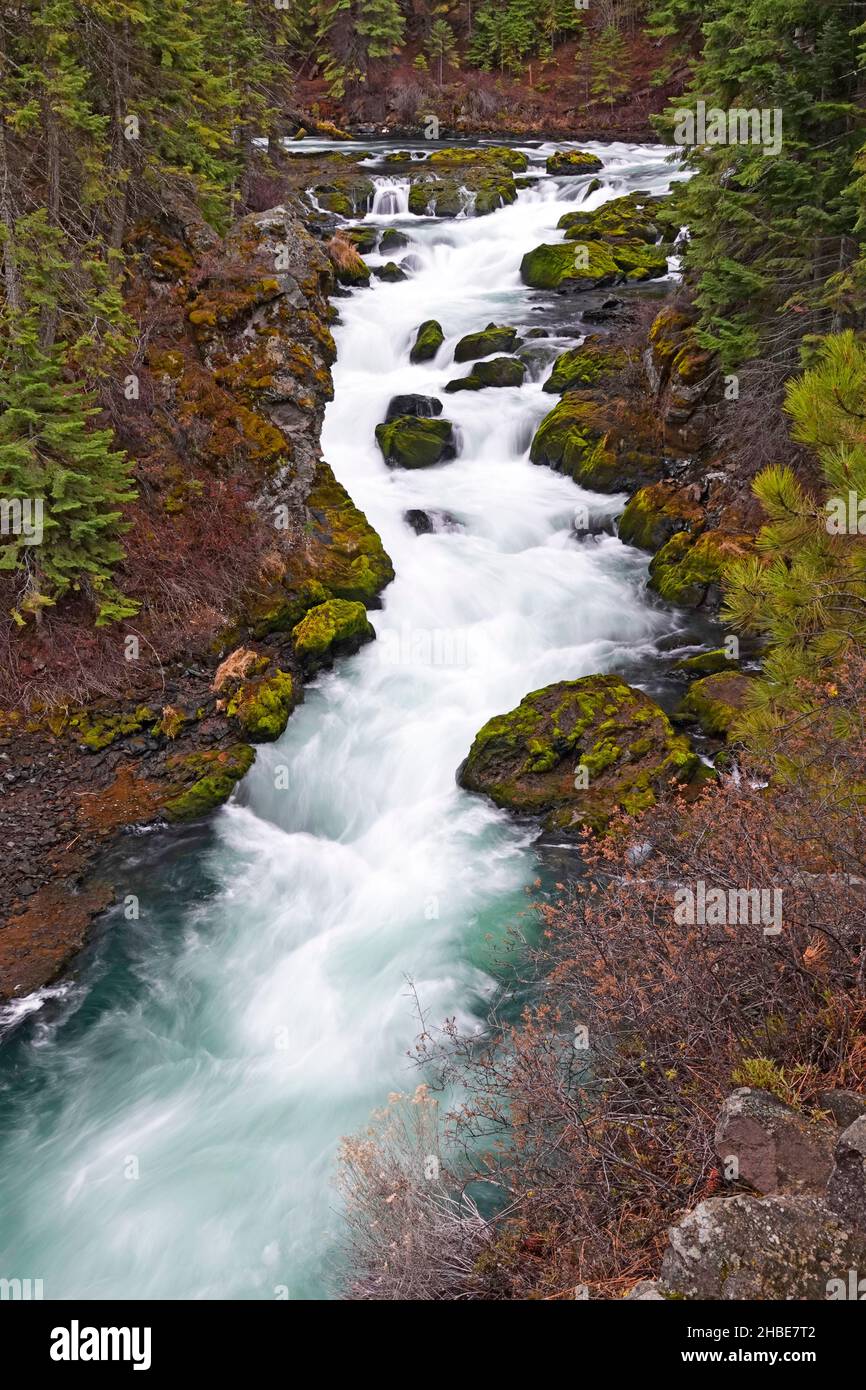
168	1121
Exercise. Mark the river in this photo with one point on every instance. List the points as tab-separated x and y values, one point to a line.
169	1116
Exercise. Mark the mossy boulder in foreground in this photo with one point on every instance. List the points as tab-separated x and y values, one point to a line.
413	441
332	629
261	708
577	752
689	572
572	162
656	513
428	341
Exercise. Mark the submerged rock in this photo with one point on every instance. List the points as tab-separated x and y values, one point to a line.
572	162
493	338
390	272
410	441
428	523
576	752
428	341
501	371
335	628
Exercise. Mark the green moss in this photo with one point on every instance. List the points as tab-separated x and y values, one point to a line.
717	701
279	611
706	663
688	572
620	220
364	239
343	552
572	162
262	708
411	441
428	341
588	266
574	439
621	741
493	338
331	629
656	513
215	775
497	154
585	367
96	730
501	371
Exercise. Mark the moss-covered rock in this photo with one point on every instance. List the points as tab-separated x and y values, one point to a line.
572	162
411	441
688	571
575	438
486	154
706	663
348	197
96	729
211	778
585	367
493	338
332	629
656	513
578	751
364	239
621	220
390	272
428	341
261	708
343	552
717	701
500	371
588	266
392	240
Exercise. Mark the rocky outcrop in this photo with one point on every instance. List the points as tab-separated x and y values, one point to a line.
235	379
615	244
597	443
586	368
800	1234
715	702
499	371
572	162
576	752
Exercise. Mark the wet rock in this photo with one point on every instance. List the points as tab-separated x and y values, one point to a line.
500	371
390	272
776	1148
426	523
688	571
392	240
578	437
332	629
846	1188
572	162
656	513
428	341
422	406
412	442
586	367
772	1248
493	338
577	751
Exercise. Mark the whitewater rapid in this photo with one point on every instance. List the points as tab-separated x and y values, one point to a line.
169	1118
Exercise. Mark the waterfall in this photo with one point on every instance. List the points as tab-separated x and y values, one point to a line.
169	1118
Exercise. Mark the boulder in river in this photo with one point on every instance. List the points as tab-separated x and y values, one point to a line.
572	162
577	752
428	523
493	338
577	438
335	628
500	371
424	406
390	272
688	571
392	240
716	702
410	441
428	341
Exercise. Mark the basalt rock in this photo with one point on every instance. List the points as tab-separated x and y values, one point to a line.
491	339
775	1148
410	441
428	341
717	701
500	371
577	752
588	367
336	628
423	406
688	571
656	513
572	162
595	444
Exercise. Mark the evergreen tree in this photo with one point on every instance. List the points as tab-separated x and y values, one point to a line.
609	81
441	45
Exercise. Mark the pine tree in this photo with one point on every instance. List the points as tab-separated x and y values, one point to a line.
804	594
441	44
609	81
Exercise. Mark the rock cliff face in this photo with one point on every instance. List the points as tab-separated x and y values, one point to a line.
237	509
